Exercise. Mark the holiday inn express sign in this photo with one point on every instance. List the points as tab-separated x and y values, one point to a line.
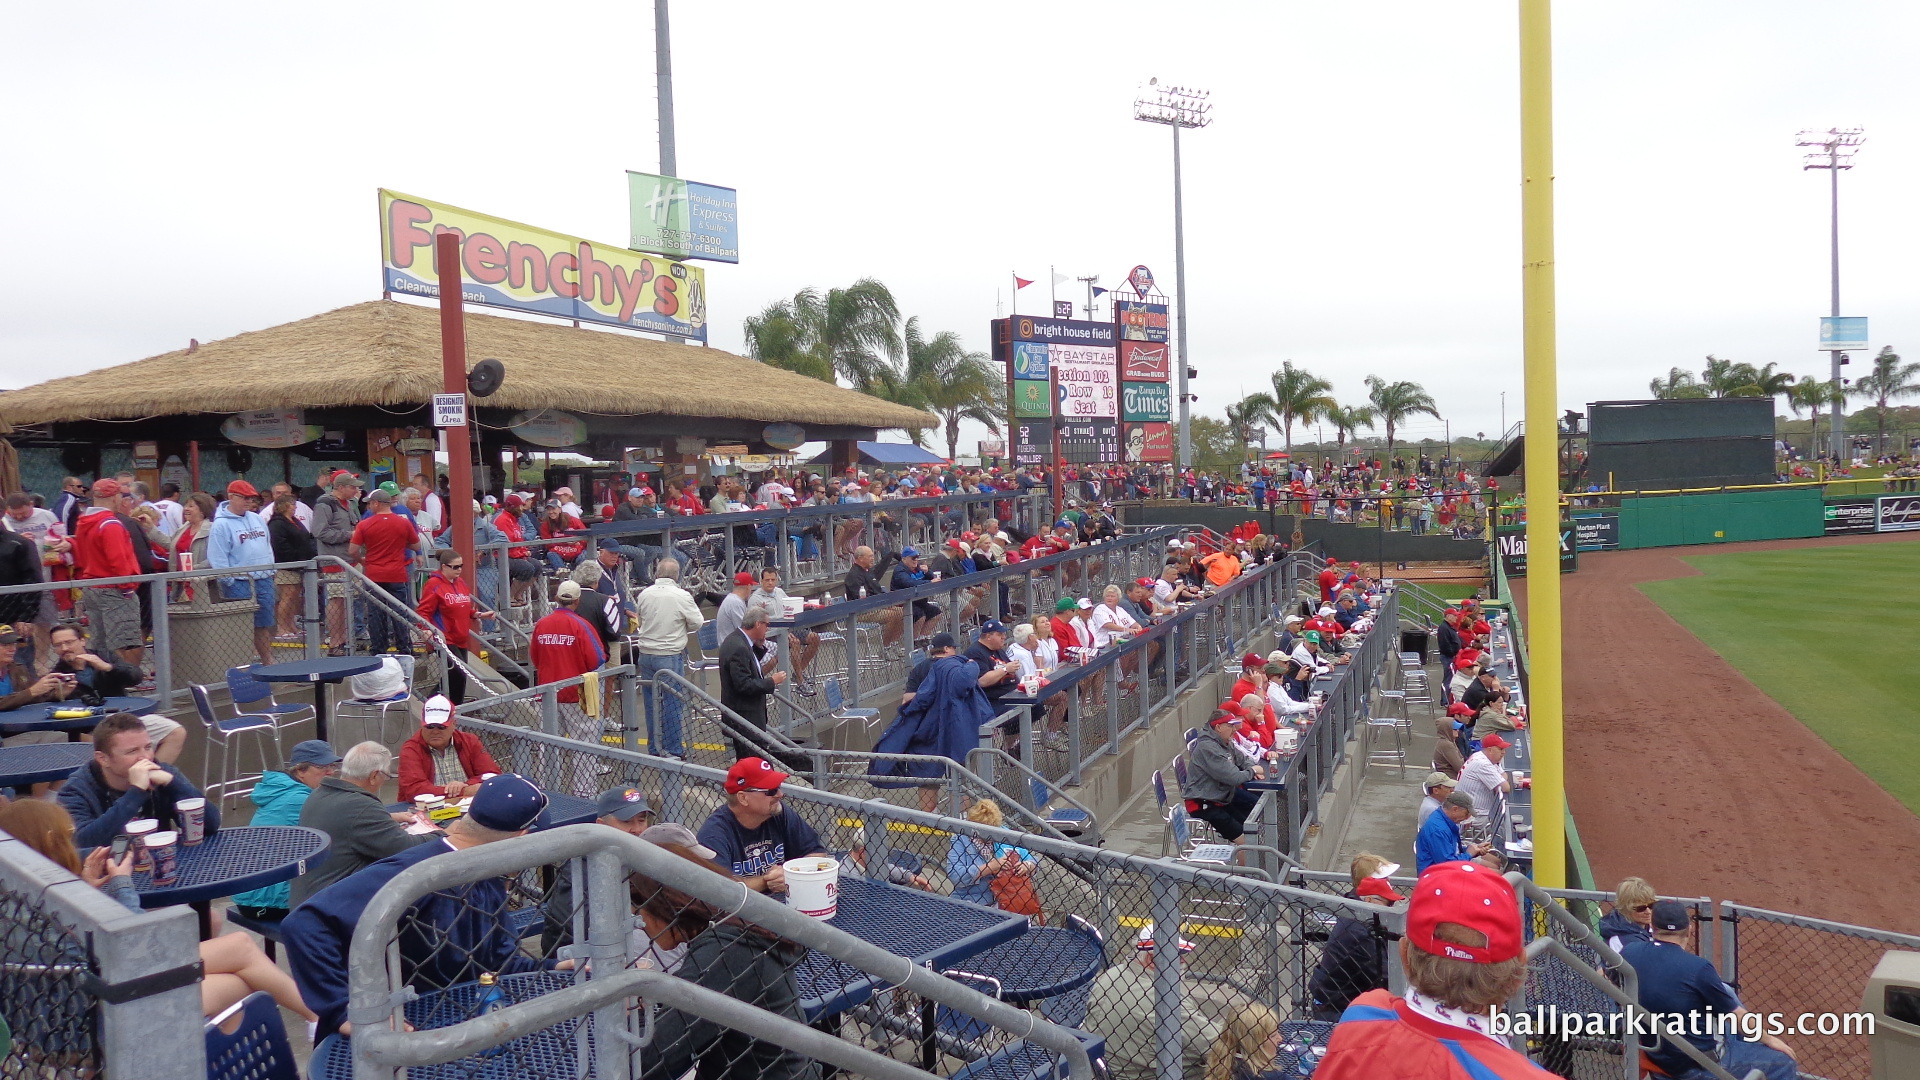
508	264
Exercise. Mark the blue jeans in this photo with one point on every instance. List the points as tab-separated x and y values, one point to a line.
664	738
259	590
388	630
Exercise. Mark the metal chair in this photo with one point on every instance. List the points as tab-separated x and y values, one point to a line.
222	733
257	1049
709	641
252	695
837	705
379	710
1377	724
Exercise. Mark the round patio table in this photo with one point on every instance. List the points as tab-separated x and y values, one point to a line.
233	861
320	672
40	717
38	763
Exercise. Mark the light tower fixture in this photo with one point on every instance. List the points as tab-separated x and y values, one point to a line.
1177	107
1833	150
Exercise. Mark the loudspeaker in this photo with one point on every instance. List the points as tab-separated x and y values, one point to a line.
80	460
485	378
239	459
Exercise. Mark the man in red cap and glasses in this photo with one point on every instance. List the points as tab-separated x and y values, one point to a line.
754	835
1463	956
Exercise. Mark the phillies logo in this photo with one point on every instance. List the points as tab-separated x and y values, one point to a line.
1141	279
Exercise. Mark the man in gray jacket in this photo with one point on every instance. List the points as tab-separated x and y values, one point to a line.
348	809
1215	770
334	516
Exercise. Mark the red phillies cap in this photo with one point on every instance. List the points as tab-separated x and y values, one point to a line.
753	773
743	578
512	500
1355	565
1494	741
241	487
1333	561
1145	582
1462	663
1251	661
1474	897
1459	709
1375	886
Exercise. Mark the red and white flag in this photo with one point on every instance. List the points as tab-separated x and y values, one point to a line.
1020	282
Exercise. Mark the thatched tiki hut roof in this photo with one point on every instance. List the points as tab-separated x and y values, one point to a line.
387	354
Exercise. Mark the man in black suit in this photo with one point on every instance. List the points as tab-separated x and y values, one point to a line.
743	685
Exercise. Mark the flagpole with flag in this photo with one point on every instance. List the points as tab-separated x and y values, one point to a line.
1018	284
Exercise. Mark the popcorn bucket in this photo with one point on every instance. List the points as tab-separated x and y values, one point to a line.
813	886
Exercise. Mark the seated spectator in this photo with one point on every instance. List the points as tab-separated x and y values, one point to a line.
1439	841
1248	1043
1447	757
1464	956
894	873
93	680
232	966
348	809
1483	778
445	938
123	782
440	759
754	834
1287	691
1216	770
624	808
277	800
1438	786
1632	916
1675	983
1121	1007
19	687
728	956
987	873
1484	691
1355	959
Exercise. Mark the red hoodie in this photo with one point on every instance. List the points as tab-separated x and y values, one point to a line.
102	548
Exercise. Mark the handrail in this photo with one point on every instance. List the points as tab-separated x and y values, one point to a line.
609	854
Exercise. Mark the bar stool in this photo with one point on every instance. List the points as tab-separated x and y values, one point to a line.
222	733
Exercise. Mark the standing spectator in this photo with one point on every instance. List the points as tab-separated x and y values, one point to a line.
942	720
753	835
302	513
565	645
239	538
667	614
431	504
1121	1005
291	543
601	609
733	607
277	800
73	498
336	515
380	545
103	547
744	684
772	599
1678	985
123	782
20	565
440	759
446	603
1464	956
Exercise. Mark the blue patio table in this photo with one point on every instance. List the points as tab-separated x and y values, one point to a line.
40	717
38	763
232	861
320	672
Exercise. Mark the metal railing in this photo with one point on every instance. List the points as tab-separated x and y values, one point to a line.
89	988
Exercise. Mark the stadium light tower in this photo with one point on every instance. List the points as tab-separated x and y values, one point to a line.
1177	107
1833	150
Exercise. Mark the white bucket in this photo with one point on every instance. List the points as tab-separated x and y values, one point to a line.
813	886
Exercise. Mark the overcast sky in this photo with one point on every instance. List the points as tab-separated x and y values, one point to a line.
198	170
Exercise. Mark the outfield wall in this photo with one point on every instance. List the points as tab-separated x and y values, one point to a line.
1712	518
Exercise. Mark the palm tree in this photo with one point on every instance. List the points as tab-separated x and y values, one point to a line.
943	378
776	336
1298	395
855	328
1346	420
1814	395
1679	383
1725	378
1395	402
1888	380
1244	415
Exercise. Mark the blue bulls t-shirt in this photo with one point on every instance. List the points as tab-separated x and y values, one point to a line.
752	852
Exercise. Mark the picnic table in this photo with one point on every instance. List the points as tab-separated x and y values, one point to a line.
232	861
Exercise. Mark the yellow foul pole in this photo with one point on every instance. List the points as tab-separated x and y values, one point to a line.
1544	710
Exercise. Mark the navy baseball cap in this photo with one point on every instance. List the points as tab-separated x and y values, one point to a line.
608	543
507	803
1670	916
993	626
909	553
621	803
942	640
312	752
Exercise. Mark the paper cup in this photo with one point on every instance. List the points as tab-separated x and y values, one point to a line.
813	886
164	847
193	821
137	832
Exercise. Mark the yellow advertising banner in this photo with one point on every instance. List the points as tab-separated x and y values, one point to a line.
508	264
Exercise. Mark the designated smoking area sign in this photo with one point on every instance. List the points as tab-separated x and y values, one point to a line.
449	410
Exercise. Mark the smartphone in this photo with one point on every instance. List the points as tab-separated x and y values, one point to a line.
120	847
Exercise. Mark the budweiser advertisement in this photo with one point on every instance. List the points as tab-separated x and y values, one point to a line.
1146	361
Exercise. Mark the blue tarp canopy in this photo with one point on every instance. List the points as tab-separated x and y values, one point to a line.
886	453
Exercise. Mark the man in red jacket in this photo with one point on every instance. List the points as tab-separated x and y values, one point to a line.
1464	956
1329	580
565	645
440	759
103	548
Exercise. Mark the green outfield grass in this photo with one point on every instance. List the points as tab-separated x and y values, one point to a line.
1828	632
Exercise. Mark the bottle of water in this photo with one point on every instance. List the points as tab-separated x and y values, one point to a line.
492	999
863	592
